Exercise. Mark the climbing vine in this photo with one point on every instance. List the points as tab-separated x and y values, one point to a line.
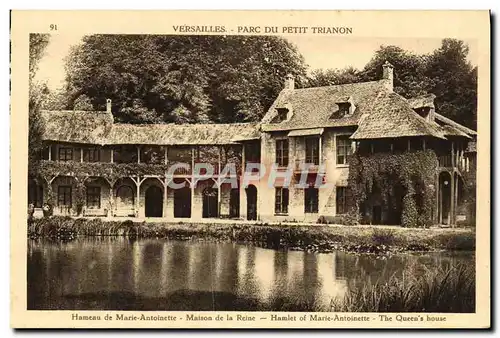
46	171
109	171
404	181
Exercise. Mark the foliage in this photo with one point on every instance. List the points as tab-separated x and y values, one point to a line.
82	102
445	72
383	237
347	219
311	238
403	180
37	45
181	78
329	77
109	171
454	81
409	78
37	92
437	290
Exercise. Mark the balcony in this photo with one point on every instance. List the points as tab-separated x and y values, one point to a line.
99	169
445	161
107	169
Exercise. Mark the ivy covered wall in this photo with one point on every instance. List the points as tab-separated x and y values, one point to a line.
403	184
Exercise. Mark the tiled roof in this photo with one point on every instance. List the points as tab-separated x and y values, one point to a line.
316	107
98	128
378	113
76	126
446	121
181	134
391	117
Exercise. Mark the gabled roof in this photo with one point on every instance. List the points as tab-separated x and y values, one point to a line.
313	107
390	117
98	128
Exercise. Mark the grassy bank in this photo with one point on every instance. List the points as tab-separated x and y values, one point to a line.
450	290
318	238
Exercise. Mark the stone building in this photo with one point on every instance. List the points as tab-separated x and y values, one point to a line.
123	170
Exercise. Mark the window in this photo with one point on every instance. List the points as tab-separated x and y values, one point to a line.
341	200
252	152
282	114
311	200
64	196
344	108
312	150
91	155
65	154
94	197
281	201
282	153
343	149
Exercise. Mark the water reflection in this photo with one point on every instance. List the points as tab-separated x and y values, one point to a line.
117	273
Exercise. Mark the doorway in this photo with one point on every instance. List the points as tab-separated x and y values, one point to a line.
444	216
251	191
210	203
182	202
154	201
234	203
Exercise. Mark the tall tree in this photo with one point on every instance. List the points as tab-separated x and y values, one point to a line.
328	77
409	76
446	72
454	81
153	79
37	92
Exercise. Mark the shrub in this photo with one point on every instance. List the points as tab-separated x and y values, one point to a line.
347	219
383	237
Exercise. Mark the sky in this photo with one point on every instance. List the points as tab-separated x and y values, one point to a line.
318	51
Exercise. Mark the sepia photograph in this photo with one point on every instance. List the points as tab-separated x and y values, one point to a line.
317	173
176	172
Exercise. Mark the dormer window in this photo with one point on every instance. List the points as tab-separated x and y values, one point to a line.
425	112
424	106
282	114
345	106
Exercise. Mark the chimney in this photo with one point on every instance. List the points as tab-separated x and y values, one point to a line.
108	105
388	75
289	82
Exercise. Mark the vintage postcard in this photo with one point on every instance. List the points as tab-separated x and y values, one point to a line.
250	169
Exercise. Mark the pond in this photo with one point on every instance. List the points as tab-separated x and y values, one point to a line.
117	273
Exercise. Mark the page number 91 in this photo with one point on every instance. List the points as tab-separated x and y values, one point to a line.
53	27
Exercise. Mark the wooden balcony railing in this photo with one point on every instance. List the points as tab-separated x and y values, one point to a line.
444	161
